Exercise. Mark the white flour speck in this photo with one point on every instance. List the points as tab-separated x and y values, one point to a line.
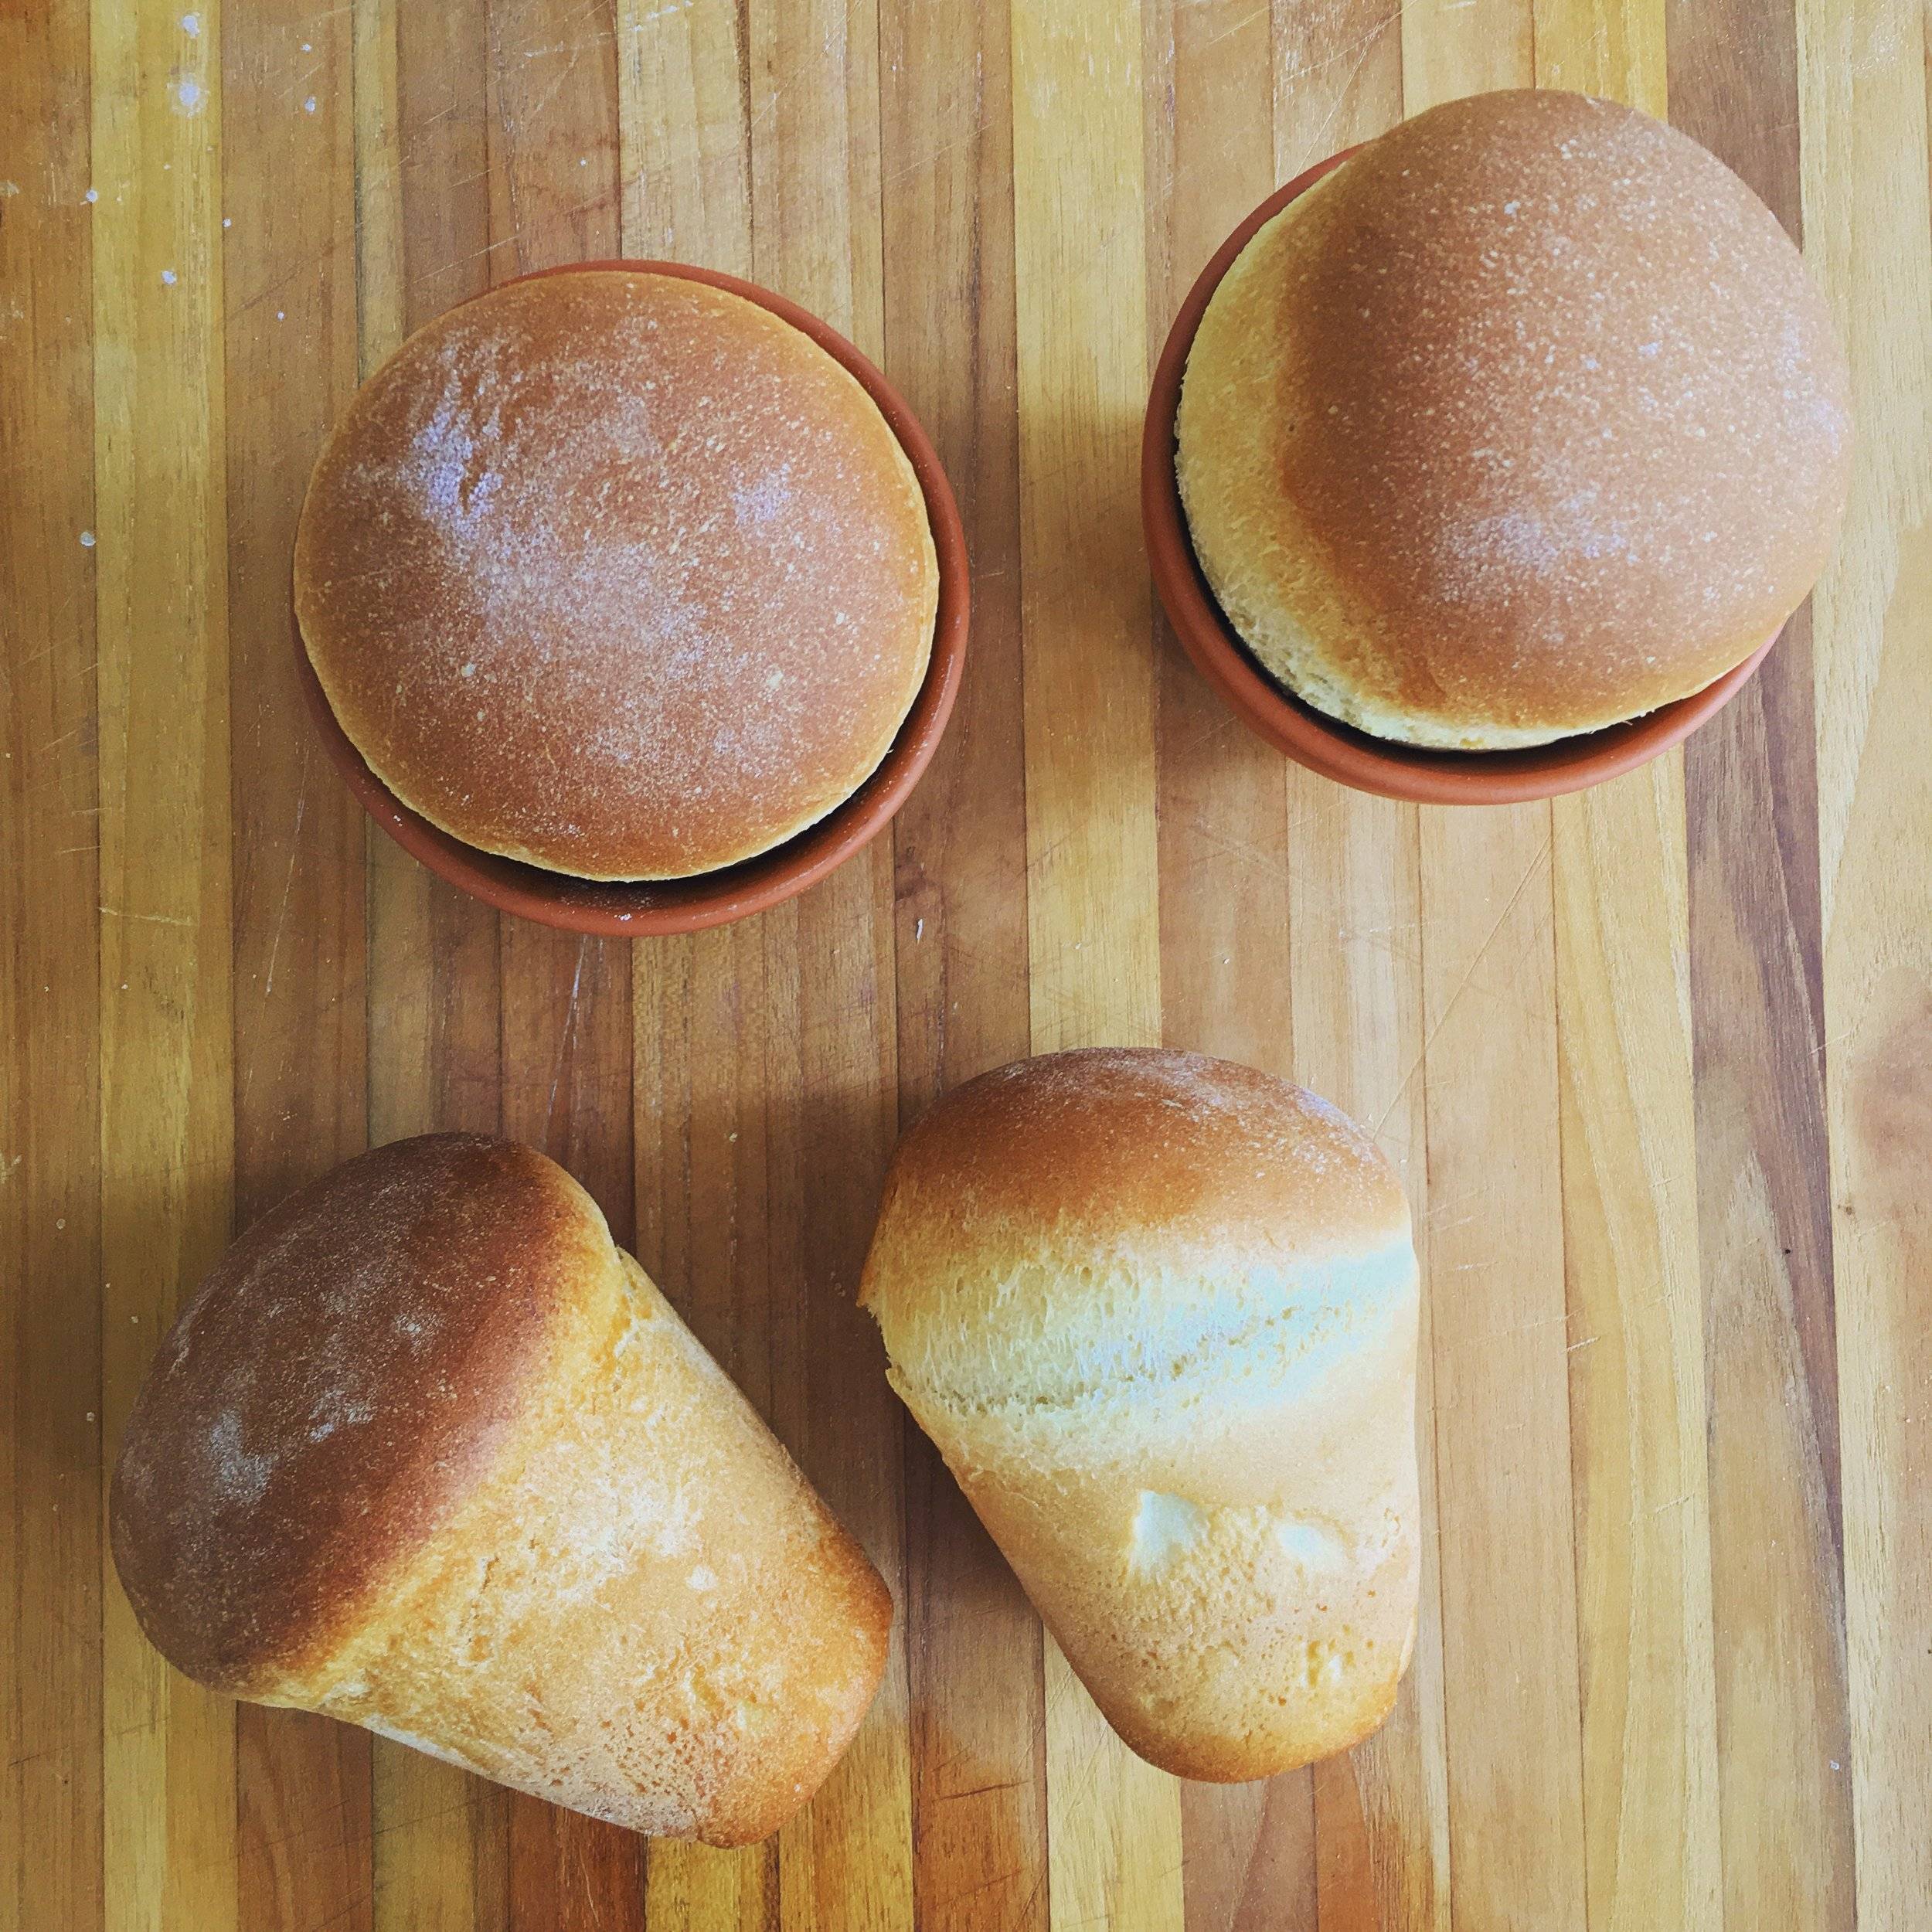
86	539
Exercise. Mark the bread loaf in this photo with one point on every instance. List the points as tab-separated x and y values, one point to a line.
429	1453
1159	1313
617	573
1524	421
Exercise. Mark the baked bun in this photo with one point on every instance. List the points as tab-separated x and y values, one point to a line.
617	573
429	1453
1524	421
1159	1313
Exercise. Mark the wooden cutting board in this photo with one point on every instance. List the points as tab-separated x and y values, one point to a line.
1656	1062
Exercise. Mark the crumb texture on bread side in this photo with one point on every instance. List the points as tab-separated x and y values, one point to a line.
1524	421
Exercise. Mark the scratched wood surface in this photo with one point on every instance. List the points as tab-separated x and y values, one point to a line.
1656	1062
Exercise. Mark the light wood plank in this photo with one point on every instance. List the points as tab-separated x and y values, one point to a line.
1382	1813
813	122
817	971
1636	1380
705	1235
697	1003
1496	1236
1868	232
289	272
551	97
1206	90
50	1134
167	1122
441	1843
1750	783
1638	1408
972	1643
1080	229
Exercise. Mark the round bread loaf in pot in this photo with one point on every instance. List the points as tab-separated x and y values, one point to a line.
1523	421
428	1452
1159	1313
617	573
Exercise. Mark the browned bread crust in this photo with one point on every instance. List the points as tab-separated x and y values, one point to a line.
428	1452
617	573
1525	421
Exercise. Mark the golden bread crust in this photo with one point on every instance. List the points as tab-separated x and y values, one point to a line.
617	573
1525	421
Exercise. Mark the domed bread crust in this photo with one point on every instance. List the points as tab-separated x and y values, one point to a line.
1525	421
429	1453
617	573
1159	1312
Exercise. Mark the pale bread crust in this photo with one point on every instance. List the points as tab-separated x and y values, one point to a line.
1525	421
617	573
471	1482
1158	1312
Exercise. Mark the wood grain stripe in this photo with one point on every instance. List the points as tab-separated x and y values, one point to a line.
814	128
441	1837
699	1055
1495	1237
167	1119
1080	229
50	1128
1861	93
1750	781
551	99
973	1653
1381	1813
1638	1468
1207	95
807	1032
300	1032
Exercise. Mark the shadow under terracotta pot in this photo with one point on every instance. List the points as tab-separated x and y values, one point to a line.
1323	744
628	909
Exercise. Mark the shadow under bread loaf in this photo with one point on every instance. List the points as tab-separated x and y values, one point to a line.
429	1453
1524	421
1159	1313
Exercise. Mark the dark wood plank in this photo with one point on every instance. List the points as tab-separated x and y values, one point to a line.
1750	788
973	1641
50	1392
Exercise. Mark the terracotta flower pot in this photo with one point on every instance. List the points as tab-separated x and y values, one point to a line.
629	909
1322	744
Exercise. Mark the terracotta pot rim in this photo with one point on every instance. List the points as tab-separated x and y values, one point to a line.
630	910
1323	744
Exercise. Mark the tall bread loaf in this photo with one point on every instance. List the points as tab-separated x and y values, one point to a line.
1159	1313
428	1452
